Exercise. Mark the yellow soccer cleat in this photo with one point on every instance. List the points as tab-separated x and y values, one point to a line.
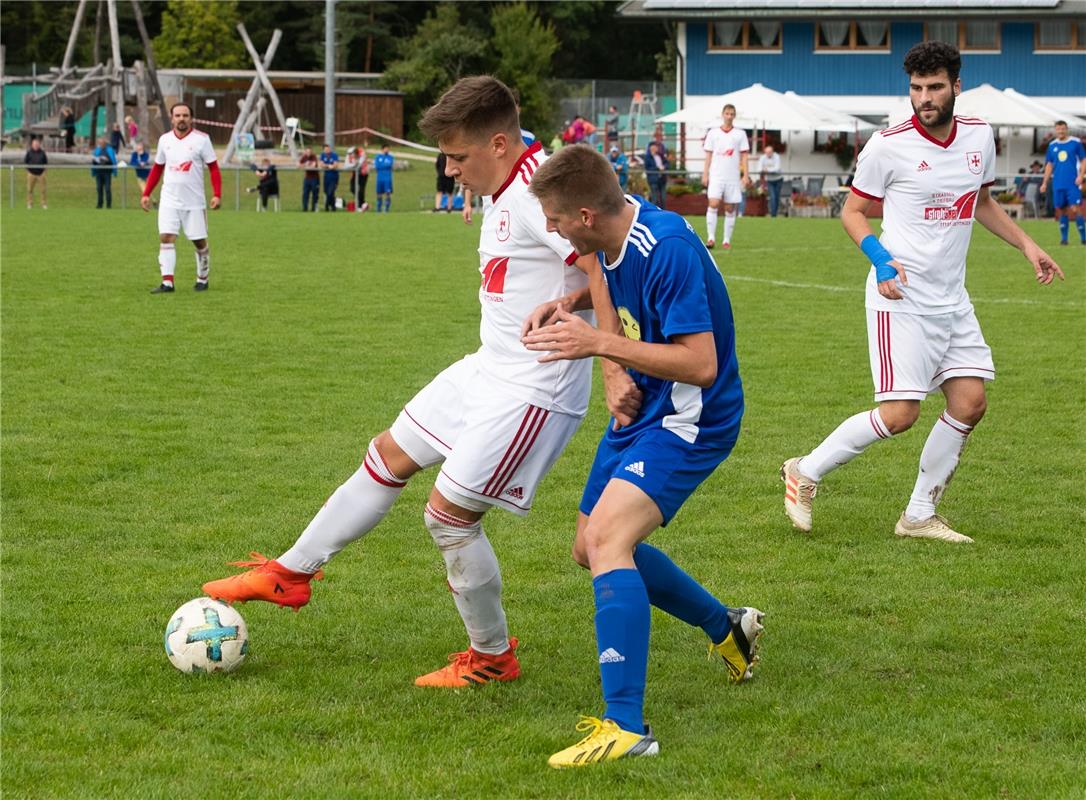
605	742
740	647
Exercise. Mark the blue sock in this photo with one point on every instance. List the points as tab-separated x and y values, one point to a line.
672	590
1063	228
1080	223
622	638
388	204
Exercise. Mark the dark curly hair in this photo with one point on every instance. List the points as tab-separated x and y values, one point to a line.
927	58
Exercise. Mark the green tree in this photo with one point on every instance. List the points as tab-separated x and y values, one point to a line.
201	34
525	47
442	50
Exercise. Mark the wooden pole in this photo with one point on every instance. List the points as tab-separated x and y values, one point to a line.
69	52
118	66
141	102
262	74
152	70
250	98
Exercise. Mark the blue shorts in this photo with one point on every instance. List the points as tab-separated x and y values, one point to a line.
384	185
1062	198
659	463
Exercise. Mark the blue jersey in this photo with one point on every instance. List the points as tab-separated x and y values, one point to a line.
664	284
1064	158
382	162
330	159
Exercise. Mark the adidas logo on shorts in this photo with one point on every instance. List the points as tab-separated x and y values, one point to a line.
517	493
611	656
637	468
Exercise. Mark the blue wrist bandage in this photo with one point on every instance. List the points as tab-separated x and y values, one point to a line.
880	257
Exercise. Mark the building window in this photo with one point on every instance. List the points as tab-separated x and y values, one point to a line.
844	35
762	35
1060	34
972	35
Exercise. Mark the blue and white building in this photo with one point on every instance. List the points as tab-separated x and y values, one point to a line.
847	54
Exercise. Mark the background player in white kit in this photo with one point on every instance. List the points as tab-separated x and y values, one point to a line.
933	174
725	174
496	420
181	156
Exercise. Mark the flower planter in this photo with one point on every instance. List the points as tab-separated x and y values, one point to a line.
810	211
687	204
756	207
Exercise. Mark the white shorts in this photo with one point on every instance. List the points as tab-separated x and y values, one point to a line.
729	191
192	220
912	354
496	448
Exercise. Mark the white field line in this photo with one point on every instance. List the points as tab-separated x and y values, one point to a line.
1017	301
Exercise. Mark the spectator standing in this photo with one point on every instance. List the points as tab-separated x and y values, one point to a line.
383	163
330	165
610	125
132	130
311	180
446	186
656	166
67	127
104	168
268	185
35	160
141	162
116	138
359	165
620	164
770	169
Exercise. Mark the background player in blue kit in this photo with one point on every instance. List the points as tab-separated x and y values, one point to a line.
383	162
1065	164
687	403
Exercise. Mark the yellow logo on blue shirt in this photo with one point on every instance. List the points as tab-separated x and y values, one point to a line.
1062	156
629	324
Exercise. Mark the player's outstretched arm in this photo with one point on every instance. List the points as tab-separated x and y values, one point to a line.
995	219
888	271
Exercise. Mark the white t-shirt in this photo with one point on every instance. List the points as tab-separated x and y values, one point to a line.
929	191
726	147
184	160
522	266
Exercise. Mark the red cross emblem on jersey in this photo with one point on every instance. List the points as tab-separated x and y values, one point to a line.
503	226
972	158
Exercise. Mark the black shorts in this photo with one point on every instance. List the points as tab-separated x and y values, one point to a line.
446	185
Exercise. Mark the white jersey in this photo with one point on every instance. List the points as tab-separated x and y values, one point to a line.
522	266
183	160
929	191
726	147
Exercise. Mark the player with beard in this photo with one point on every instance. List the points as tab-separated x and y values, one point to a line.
181	156
932	174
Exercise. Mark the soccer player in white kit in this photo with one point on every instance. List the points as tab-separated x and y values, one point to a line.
180	158
495	421
932	174
725	174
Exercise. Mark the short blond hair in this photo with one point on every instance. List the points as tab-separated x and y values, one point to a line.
578	177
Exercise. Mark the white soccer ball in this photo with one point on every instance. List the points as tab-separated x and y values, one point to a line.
205	635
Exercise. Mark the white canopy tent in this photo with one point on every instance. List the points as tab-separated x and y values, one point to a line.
759	107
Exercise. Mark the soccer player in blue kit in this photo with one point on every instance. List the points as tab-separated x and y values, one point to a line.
1065	164
383	163
665	316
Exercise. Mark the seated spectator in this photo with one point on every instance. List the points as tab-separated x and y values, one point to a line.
141	162
268	185
620	164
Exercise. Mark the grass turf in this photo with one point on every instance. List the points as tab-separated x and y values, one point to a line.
147	440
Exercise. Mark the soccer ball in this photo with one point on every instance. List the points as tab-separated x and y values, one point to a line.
205	635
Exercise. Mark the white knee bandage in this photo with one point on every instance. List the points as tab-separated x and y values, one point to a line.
449	532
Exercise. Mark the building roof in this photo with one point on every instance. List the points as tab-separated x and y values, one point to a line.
884	9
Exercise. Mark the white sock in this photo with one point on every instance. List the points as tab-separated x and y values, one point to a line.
729	226
203	264
352	511
474	579
851	438
710	225
938	461
167	261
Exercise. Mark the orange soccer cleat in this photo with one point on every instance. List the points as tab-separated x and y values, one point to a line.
268	580
472	668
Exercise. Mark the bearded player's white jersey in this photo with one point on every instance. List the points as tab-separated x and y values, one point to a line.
726	147
523	266
929	191
183	160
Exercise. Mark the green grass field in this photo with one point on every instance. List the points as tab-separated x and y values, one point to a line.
149	439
